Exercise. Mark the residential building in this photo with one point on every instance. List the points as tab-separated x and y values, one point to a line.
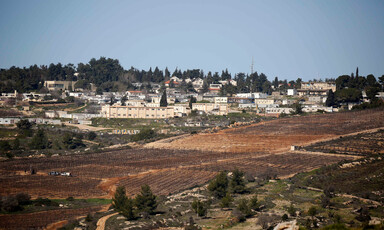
108	111
260	101
211	108
221	100
291	92
181	110
59	85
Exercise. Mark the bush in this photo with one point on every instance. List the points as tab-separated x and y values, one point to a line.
45	202
70	198
10	204
284	217
226	201
244	208
92	135
23	198
144	134
39	140
5	146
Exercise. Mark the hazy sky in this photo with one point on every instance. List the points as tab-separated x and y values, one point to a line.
288	39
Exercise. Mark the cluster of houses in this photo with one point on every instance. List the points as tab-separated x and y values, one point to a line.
137	104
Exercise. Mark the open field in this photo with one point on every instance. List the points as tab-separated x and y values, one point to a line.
38	220
279	135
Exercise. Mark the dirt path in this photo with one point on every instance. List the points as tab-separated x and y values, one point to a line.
101	222
88	127
73	109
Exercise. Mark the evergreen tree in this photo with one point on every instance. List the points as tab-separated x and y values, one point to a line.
39	140
237	183
205	88
200	208
191	101
146	201
163	100
219	186
330	99
276	83
123	204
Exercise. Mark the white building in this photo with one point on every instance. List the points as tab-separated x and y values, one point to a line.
292	92
221	100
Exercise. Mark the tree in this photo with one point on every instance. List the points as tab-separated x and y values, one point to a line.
39	140
92	135
372	92
24	124
298	109
123	204
381	81
5	146
191	101
253	203
146	201
226	201
312	211
219	185
276	83
71	142
200	208
205	88
244	207
330	99
346	95
25	127
123	100
163	100
237	183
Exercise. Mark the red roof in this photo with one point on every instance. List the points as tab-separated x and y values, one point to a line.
169	81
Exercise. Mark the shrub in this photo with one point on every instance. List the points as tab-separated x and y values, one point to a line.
39	140
244	207
5	146
226	201
23	198
92	135
144	134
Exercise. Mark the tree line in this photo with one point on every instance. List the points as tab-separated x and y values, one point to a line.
108	75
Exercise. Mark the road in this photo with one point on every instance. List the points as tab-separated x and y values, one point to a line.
101	222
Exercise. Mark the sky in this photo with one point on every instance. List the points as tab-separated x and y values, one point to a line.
285	38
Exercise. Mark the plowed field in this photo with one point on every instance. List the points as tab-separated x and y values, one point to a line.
171	166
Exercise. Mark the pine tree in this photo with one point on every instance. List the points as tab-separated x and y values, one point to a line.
163	100
39	140
237	183
219	186
123	204
330	99
146	201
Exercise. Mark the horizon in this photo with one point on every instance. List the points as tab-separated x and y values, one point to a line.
290	40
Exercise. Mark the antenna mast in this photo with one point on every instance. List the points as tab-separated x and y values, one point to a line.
252	66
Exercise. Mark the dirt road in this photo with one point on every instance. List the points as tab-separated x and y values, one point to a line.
102	220
86	127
